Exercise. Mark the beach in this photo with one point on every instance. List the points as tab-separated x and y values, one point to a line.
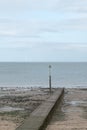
72	113
16	104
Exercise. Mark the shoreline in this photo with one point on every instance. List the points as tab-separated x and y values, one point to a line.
39	86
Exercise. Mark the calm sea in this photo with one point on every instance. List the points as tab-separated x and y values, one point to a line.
36	74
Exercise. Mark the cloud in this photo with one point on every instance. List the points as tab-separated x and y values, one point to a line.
73	5
32	23
37	28
29	4
7	33
18	45
48	27
81	47
43	52
52	5
12	28
73	25
66	46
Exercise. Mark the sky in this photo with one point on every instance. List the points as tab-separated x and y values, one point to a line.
43	30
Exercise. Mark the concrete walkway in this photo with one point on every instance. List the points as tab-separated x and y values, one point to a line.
38	119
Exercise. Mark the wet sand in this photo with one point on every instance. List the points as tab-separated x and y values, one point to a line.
72	113
16	104
7	125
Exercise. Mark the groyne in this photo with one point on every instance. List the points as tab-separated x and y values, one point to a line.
39	118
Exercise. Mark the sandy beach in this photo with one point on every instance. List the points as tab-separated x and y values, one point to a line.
72	113
16	104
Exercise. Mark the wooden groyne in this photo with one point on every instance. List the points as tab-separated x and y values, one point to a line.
38	119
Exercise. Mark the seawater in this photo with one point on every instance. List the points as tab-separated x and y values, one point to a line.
37	74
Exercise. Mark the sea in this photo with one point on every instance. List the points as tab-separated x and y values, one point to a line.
36	74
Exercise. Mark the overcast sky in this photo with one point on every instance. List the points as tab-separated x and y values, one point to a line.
43	30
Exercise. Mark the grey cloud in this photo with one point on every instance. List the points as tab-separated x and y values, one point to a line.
73	5
28	4
36	30
19	28
53	5
72	25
